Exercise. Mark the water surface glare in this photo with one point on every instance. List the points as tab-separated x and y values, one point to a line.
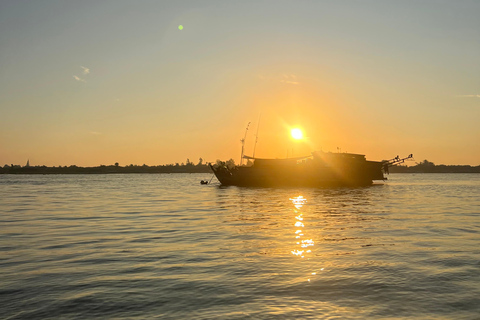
164	246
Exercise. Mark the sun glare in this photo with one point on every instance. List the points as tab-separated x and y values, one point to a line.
296	134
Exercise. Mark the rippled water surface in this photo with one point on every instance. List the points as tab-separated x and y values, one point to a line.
164	246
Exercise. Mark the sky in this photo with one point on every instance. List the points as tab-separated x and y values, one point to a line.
97	82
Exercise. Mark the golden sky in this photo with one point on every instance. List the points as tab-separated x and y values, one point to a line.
99	82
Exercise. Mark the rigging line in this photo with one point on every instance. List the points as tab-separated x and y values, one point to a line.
243	143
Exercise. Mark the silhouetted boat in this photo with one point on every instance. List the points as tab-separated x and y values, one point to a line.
321	169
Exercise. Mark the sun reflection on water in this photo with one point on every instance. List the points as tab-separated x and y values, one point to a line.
298	203
303	244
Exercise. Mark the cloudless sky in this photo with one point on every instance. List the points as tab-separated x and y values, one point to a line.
99	82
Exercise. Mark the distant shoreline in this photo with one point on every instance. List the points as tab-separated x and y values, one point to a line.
423	167
189	168
429	167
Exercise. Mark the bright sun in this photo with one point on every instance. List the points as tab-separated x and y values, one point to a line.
296	134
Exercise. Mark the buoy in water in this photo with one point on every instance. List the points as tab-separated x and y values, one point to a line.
203	182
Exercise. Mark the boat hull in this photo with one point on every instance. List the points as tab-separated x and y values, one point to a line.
311	175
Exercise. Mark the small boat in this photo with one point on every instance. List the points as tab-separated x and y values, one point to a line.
320	169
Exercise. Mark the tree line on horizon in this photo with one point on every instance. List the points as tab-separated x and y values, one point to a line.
189	167
429	167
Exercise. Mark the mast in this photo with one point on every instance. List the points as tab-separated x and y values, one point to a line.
256	135
243	143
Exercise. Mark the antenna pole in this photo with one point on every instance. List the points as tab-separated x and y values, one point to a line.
243	143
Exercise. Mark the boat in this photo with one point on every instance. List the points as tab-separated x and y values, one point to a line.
320	169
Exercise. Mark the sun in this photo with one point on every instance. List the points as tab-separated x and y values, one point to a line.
296	133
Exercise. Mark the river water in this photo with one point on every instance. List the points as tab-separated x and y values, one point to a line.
162	246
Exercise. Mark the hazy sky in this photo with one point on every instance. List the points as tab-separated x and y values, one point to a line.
99	82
